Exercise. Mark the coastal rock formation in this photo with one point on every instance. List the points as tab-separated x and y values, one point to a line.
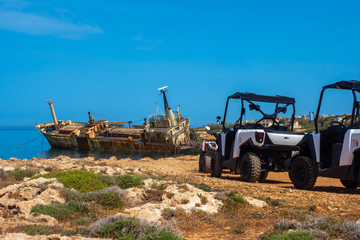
173	197
17	200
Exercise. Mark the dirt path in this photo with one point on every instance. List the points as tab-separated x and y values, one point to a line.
329	197
327	193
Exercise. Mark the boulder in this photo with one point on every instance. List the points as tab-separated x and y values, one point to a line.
255	202
17	200
175	196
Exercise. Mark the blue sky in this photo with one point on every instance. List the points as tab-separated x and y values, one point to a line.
109	57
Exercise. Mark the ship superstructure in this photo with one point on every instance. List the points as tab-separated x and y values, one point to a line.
161	133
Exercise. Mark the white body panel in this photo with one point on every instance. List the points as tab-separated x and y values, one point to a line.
243	136
350	144
316	139
223	138
285	139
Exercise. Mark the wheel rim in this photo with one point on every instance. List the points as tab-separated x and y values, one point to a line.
300	173
245	168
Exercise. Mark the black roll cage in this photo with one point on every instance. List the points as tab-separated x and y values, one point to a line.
352	85
250	97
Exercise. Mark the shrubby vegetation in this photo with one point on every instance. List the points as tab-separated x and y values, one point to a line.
133	229
297	235
86	181
66	211
17	174
319	228
80	180
20	174
33	230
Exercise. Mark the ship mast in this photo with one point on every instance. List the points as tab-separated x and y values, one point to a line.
53	114
168	112
163	90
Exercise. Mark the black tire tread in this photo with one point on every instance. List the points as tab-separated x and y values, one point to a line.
308	183
255	167
216	165
207	162
201	162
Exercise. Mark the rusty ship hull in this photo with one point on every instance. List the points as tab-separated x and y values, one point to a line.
166	133
72	141
110	144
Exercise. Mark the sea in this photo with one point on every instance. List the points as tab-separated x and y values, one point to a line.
28	143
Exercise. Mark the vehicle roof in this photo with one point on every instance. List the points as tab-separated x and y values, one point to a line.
263	98
349	85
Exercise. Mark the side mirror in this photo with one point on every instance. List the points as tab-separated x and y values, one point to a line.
311	116
218	120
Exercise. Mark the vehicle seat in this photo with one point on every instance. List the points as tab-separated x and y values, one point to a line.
330	140
283	128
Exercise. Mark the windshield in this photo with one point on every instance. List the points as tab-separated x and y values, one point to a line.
258	115
337	108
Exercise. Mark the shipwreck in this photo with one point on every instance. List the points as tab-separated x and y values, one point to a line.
167	132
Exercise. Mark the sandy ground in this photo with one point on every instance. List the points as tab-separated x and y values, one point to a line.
329	196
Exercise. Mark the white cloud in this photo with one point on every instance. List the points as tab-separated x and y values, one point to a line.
35	24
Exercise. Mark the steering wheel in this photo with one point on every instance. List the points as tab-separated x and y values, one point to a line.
334	123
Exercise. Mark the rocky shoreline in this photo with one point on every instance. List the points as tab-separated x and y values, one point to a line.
172	196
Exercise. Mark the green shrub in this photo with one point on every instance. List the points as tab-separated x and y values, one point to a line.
202	186
129	181
296	235
132	229
321	228
159	186
80	180
233	202
312	208
20	174
48	230
108	180
108	200
65	211
163	235
203	199
40	230
273	202
237	198
74	196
